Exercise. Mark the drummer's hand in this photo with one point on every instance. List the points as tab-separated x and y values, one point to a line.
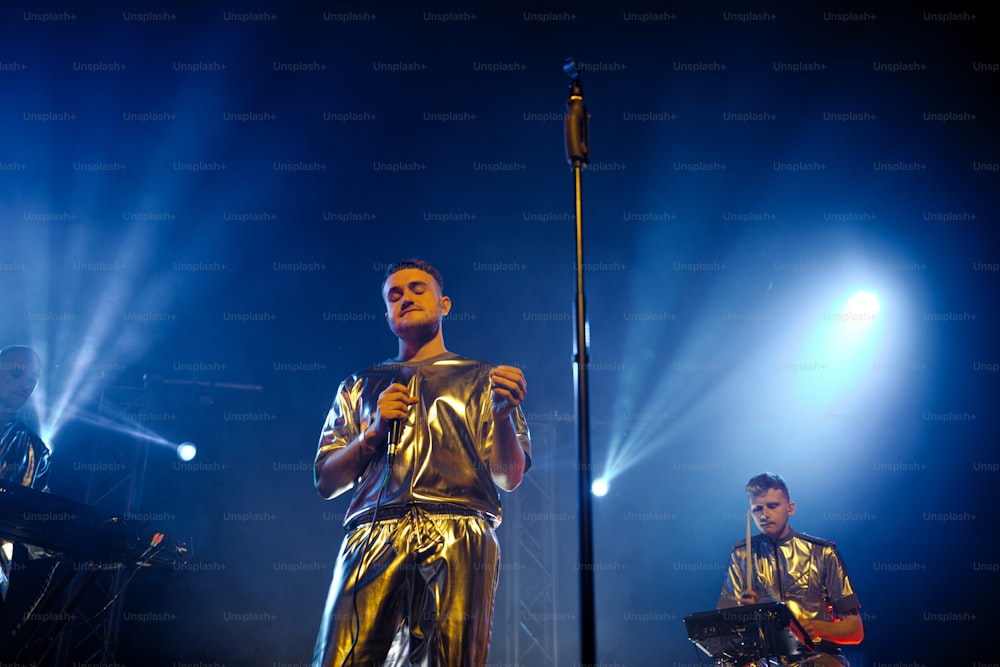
812	630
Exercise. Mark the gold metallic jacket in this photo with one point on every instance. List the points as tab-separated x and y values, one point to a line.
445	442
805	572
24	460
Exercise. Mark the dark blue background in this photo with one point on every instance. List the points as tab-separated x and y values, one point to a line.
224	305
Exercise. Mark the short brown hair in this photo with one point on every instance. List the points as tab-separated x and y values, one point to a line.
414	264
763	482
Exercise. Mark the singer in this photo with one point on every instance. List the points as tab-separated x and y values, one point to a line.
424	440
805	572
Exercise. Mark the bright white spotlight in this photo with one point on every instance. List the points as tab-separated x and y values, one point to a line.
864	304
186	451
599	487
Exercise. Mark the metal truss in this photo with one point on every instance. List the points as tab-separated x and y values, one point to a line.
527	600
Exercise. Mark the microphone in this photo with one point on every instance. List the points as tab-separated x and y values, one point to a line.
577	150
396	425
395	429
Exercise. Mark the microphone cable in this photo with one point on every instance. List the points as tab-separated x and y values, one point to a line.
393	442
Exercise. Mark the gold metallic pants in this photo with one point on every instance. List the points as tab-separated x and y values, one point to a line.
416	590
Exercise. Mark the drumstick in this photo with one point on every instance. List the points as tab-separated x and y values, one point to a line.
749	555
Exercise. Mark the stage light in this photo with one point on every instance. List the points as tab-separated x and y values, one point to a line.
186	451
864	304
599	487
831	368
114	332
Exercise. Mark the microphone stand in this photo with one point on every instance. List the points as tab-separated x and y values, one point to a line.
577	154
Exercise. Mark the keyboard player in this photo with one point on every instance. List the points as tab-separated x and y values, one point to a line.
24	458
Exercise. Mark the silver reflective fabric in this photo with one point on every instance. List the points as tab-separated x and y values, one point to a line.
418	584
805	572
24	460
417	590
444	444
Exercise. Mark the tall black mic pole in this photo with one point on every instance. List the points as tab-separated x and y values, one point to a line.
577	152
